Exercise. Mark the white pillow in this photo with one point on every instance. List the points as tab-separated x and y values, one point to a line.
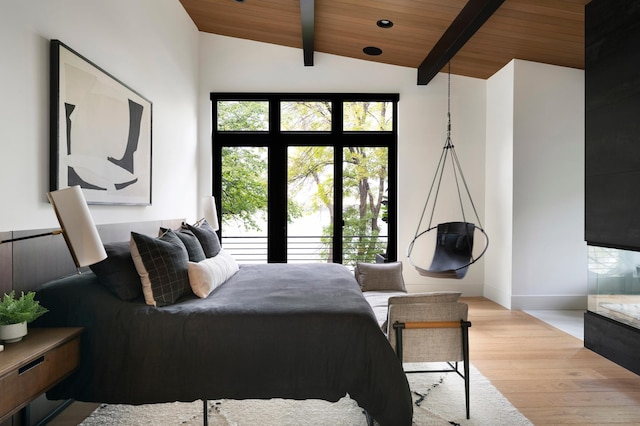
206	275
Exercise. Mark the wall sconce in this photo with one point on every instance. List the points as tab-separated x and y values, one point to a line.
78	228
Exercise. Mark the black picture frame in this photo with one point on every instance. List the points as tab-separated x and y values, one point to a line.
101	132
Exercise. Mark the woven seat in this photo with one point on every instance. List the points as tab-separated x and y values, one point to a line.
431	327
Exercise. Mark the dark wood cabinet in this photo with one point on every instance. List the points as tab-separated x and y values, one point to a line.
612	127
30	367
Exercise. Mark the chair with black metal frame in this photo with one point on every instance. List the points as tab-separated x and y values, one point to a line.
431	328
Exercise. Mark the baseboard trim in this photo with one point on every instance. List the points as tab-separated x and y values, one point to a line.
500	297
549	302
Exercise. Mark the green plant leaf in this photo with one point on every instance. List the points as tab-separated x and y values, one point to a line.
24	308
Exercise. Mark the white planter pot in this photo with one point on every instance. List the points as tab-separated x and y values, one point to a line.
13	332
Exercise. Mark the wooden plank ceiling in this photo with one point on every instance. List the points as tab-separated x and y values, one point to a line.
546	31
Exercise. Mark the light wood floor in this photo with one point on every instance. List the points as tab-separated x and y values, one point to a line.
546	373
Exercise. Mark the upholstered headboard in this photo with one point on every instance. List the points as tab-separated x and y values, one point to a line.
28	263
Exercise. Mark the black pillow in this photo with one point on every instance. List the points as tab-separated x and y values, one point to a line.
207	237
118	272
191	242
162	266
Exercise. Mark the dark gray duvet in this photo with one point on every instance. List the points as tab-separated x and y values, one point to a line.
271	331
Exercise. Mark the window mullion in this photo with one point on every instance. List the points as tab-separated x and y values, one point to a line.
277	182
338	226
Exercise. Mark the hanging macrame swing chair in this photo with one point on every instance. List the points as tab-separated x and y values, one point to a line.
454	240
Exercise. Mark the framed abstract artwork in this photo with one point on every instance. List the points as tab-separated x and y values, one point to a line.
100	132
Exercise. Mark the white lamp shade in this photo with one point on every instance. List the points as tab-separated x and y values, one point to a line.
210	212
77	225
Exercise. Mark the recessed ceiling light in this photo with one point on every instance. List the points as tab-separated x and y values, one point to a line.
373	51
384	23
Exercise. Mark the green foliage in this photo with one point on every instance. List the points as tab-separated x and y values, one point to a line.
245	116
24	308
310	169
365	174
368	116
244	186
306	116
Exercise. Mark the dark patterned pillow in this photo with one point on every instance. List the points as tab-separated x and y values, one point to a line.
118	272
191	242
162	265
207	237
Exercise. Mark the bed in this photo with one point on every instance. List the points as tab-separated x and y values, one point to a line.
295	331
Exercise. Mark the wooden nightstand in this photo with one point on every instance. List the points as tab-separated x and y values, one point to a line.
32	366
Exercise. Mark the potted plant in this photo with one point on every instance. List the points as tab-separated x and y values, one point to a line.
16	313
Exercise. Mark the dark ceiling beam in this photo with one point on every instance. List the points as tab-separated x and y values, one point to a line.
307	13
469	20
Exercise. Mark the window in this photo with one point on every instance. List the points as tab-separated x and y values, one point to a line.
367	116
306	177
305	116
242	116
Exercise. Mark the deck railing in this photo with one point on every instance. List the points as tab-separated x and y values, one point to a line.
300	249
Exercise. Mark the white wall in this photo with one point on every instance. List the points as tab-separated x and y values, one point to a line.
231	65
151	45
535	132
499	186
549	251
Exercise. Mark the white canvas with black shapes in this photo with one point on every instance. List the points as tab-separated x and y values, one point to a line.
100	132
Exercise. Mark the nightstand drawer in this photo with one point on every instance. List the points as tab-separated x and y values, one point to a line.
22	385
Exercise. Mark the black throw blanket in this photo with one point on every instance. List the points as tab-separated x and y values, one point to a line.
271	331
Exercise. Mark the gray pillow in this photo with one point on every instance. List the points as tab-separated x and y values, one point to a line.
117	272
380	276
207	237
191	242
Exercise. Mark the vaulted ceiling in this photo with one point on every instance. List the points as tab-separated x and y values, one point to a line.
425	34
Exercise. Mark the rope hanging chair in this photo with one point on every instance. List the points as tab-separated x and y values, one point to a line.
454	240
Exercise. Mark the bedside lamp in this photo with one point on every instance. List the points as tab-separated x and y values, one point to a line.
78	229
210	212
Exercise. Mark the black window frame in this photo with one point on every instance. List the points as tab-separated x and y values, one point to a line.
278	143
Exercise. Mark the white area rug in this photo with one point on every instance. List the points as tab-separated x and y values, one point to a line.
443	404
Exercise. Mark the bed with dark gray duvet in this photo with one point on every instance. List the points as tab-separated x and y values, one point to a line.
295	331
